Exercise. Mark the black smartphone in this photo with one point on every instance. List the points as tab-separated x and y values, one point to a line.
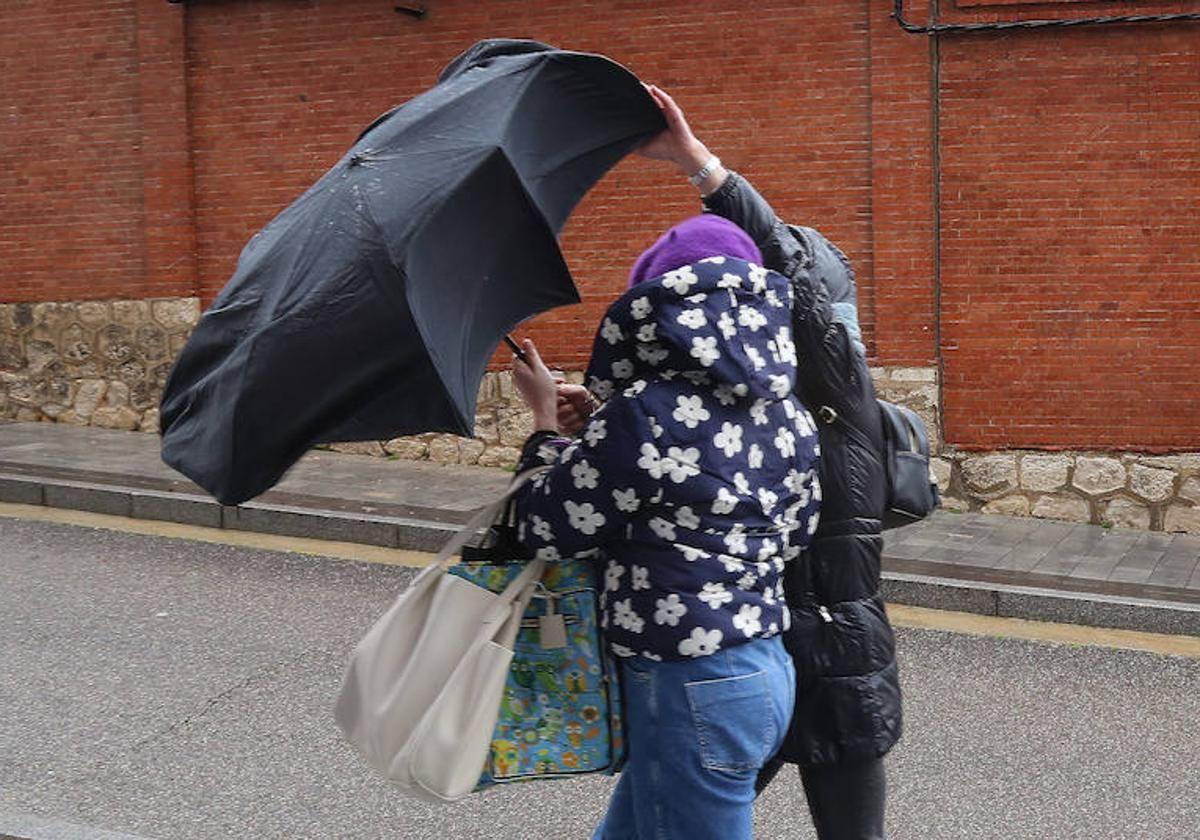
516	348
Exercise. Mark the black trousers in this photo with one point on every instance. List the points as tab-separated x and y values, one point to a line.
846	800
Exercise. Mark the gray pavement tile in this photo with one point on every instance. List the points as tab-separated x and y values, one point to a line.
1136	567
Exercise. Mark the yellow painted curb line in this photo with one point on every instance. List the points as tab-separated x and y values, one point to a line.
900	614
244	539
1042	631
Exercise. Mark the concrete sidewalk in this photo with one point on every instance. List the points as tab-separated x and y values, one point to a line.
987	564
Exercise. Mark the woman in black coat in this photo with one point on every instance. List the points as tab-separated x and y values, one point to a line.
847	713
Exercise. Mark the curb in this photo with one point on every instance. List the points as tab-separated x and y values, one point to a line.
361	526
1032	603
358	524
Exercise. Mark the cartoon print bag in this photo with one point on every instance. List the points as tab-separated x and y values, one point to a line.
561	712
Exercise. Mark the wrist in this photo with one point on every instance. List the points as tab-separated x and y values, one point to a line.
545	418
692	158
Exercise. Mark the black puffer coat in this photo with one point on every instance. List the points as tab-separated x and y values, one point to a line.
848	688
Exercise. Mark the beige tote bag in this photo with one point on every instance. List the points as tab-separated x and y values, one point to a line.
422	691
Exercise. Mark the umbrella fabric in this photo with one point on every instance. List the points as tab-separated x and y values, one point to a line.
370	307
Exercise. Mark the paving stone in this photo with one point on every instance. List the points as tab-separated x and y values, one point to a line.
295	522
935	594
1099	611
93	498
183	508
20	490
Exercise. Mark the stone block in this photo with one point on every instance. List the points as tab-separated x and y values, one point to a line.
90	497
919	374
32	415
1126	513
469	450
87	398
1186	464
486	427
499	456
936	594
1097	475
117	395
1008	506
93	313
443	449
39	354
130	313
53	315
990	475
121	417
515	427
359	447
176	315
1181	518
1068	508
408	448
1152	483
187	509
505	390
1191	490
317	524
149	421
942	469
20	489
1044	473
955	504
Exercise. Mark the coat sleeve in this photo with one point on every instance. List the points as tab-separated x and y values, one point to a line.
828	349
595	483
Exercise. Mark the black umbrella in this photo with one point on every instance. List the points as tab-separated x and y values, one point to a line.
369	308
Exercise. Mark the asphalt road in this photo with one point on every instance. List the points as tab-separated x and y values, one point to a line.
172	689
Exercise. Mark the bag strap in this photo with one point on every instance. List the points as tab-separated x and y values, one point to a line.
445	557
484	516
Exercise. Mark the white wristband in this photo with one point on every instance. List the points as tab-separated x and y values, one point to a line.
709	167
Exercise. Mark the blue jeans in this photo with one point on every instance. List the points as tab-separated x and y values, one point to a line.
699	730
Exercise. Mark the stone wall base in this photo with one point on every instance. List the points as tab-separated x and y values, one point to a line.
91	363
104	363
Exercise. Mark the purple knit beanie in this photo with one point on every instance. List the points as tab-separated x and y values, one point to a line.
691	241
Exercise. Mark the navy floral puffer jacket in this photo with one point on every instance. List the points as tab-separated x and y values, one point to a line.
696	481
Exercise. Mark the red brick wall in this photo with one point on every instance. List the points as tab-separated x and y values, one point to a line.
280	89
70	170
1070	259
143	143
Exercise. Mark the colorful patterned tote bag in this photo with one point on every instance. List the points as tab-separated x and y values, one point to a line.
561	712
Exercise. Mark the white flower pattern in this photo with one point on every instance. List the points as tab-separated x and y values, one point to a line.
699	456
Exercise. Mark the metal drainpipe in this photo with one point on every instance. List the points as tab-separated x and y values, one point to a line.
935	28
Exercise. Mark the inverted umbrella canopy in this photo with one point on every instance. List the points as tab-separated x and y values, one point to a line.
370	307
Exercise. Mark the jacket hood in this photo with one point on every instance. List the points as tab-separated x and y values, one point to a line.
722	321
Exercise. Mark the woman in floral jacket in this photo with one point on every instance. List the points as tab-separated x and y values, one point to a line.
692	485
